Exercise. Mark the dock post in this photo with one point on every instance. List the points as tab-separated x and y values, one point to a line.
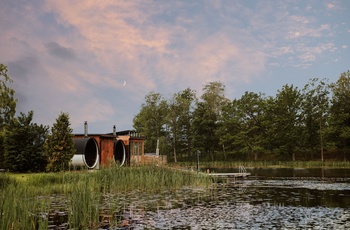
198	152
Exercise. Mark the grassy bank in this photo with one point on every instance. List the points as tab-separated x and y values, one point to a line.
264	164
27	201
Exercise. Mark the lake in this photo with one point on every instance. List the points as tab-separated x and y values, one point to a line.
268	199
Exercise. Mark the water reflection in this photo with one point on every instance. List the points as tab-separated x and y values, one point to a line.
298	196
277	198
249	216
311	173
257	204
283	199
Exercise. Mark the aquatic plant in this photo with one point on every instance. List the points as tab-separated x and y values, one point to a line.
87	197
150	178
84	205
19	209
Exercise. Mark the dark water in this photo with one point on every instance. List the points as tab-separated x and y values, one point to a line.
268	199
294	173
271	199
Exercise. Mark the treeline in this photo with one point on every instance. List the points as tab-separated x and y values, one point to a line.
30	147
310	121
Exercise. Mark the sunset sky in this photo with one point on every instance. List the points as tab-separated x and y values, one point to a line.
96	60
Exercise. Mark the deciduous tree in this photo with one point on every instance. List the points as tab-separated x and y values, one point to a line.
250	115
7	107
151	120
178	121
315	108
339	131
207	117
284	125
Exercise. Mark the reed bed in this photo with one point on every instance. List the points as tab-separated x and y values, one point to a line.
84	204
20	210
26	200
148	179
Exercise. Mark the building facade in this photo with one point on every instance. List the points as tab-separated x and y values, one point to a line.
124	148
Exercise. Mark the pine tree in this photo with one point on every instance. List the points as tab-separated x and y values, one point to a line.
24	145
60	145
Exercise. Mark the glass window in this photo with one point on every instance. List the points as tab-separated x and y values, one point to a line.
136	148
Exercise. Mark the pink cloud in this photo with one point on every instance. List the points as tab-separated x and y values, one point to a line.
121	36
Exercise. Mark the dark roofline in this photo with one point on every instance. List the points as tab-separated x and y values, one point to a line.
131	133
123	132
93	134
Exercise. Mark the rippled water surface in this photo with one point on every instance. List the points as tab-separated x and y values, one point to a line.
268	199
315	202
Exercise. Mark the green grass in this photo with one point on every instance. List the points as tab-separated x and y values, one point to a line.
25	198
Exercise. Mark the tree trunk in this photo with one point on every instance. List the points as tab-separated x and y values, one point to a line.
175	158
223	148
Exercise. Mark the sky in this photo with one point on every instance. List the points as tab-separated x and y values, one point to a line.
97	60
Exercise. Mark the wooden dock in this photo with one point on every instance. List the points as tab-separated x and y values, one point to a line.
229	175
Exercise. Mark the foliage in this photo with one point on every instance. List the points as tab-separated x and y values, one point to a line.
339	130
315	107
291	121
24	141
178	121
242	124
7	102
207	117
60	145
214	97
204	129
284	123
7	107
150	121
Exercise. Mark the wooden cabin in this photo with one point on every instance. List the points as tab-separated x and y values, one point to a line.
135	146
95	150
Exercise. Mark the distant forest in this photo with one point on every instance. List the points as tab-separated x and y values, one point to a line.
312	123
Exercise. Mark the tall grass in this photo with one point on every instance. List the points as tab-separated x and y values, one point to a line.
265	164
148	179
19	209
25	198
84	205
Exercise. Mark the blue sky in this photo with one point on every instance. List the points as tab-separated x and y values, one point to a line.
75	56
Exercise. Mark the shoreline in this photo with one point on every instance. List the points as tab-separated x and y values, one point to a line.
265	164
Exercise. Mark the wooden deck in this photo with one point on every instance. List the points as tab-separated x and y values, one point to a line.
229	175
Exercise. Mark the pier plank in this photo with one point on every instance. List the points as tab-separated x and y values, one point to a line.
235	175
